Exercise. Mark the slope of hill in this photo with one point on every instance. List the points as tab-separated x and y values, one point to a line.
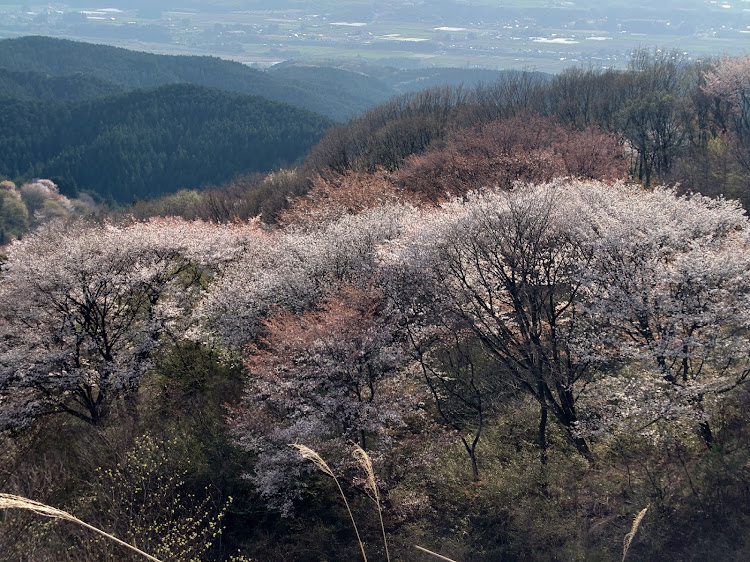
110	147
43	87
377	82
147	142
338	89
133	69
352	89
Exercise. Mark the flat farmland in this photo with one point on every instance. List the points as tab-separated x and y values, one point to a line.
542	35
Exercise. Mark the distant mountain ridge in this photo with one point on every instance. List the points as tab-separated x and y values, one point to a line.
394	81
340	90
39	86
131	125
133	69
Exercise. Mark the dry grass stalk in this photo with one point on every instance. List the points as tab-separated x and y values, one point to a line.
9	501
364	461
371	486
435	554
629	537
308	454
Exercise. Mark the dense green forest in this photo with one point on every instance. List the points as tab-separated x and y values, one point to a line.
132	70
528	302
103	120
147	142
39	86
339	93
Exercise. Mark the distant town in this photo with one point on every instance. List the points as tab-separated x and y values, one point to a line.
539	35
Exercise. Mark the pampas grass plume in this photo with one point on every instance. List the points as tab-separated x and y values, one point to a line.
9	501
371	486
629	537
308	454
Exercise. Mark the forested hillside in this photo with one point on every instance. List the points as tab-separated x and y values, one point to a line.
666	119
481	311
59	124
148	142
131	70
372	83
40	86
340	91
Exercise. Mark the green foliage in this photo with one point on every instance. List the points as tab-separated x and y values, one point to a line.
149	142
167	490
43	87
574	510
142	500
727	177
100	67
188	390
185	400
14	217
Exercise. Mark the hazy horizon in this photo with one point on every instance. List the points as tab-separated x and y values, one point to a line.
542	35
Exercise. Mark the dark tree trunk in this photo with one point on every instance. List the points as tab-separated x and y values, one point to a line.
543	435
704	428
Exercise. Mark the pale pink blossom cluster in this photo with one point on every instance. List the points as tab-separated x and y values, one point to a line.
614	307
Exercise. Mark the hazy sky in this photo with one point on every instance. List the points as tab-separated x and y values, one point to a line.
545	35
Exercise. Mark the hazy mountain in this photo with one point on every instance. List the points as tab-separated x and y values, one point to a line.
40	86
132	69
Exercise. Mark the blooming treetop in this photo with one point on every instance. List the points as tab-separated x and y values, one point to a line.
84	306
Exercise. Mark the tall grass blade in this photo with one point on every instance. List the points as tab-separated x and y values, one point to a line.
629	537
435	554
308	454
9	501
371	486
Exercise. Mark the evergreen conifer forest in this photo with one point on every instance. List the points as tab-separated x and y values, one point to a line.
501	322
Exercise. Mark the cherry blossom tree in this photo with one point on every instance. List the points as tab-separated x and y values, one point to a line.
44	201
444	351
669	294
85	306
322	378
729	85
295	269
639	298
506	265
